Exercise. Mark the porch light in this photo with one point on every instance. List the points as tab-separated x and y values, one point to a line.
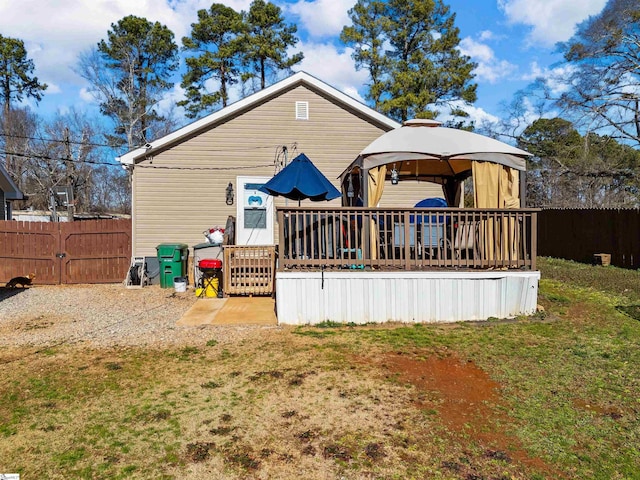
229	194
395	177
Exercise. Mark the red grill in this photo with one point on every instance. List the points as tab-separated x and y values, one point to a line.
209	263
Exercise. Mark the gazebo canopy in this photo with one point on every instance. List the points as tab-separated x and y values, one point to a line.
424	149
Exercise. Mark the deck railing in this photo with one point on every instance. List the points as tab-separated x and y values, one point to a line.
406	239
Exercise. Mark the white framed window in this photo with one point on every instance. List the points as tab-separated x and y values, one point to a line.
302	110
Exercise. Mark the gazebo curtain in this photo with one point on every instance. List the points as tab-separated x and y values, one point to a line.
376	187
497	186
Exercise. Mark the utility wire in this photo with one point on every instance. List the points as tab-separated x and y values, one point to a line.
111	164
55	140
57	159
106	145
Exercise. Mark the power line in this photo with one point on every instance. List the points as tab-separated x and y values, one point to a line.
111	164
57	159
106	145
55	140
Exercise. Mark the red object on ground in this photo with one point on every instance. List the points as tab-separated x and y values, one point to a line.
210	263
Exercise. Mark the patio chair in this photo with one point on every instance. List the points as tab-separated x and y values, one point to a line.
433	240
466	239
398	235
400	242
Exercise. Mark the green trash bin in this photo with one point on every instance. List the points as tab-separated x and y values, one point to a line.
172	258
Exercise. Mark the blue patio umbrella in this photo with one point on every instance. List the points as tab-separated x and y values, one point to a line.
300	180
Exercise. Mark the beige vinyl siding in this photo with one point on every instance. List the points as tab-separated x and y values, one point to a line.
408	192
176	205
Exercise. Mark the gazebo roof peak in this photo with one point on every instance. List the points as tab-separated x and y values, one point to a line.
421	122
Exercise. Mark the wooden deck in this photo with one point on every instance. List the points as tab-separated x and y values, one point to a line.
406	239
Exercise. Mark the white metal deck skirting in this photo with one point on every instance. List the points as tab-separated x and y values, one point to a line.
361	297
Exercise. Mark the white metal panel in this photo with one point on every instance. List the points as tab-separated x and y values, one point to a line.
360	297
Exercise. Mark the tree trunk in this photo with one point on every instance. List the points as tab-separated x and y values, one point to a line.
223	85
7	126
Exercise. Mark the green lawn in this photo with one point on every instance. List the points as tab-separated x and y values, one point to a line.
556	395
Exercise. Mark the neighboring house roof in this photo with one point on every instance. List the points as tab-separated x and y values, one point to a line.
10	189
300	78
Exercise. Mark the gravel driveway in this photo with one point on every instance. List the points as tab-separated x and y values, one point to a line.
103	315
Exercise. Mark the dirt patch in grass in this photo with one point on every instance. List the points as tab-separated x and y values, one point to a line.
466	400
198	452
600	410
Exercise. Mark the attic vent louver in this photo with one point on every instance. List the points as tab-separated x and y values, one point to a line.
302	110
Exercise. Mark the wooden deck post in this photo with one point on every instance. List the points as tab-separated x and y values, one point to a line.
281	238
534	239
523	189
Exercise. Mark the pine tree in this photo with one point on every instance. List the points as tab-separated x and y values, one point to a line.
422	70
216	39
16	73
366	36
16	82
267	39
129	73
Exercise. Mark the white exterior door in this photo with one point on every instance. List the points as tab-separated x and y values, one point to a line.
254	224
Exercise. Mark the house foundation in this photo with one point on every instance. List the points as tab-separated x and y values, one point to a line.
360	297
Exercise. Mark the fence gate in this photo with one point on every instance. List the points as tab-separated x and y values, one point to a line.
249	269
90	251
29	247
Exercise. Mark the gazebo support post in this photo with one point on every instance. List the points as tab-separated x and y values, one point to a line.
523	189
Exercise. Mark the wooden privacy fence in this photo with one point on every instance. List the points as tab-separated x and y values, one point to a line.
249	269
406	239
578	234
90	251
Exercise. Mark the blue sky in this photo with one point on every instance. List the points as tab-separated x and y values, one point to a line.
513	41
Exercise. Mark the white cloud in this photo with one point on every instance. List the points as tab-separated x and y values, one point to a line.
56	32
551	20
52	89
323	60
86	96
479	115
529	115
489	68
555	78
322	18
353	93
476	114
170	98
486	35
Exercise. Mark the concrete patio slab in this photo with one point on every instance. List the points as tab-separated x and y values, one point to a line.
231	311
202	312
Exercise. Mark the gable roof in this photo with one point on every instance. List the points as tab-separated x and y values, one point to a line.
299	78
10	189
